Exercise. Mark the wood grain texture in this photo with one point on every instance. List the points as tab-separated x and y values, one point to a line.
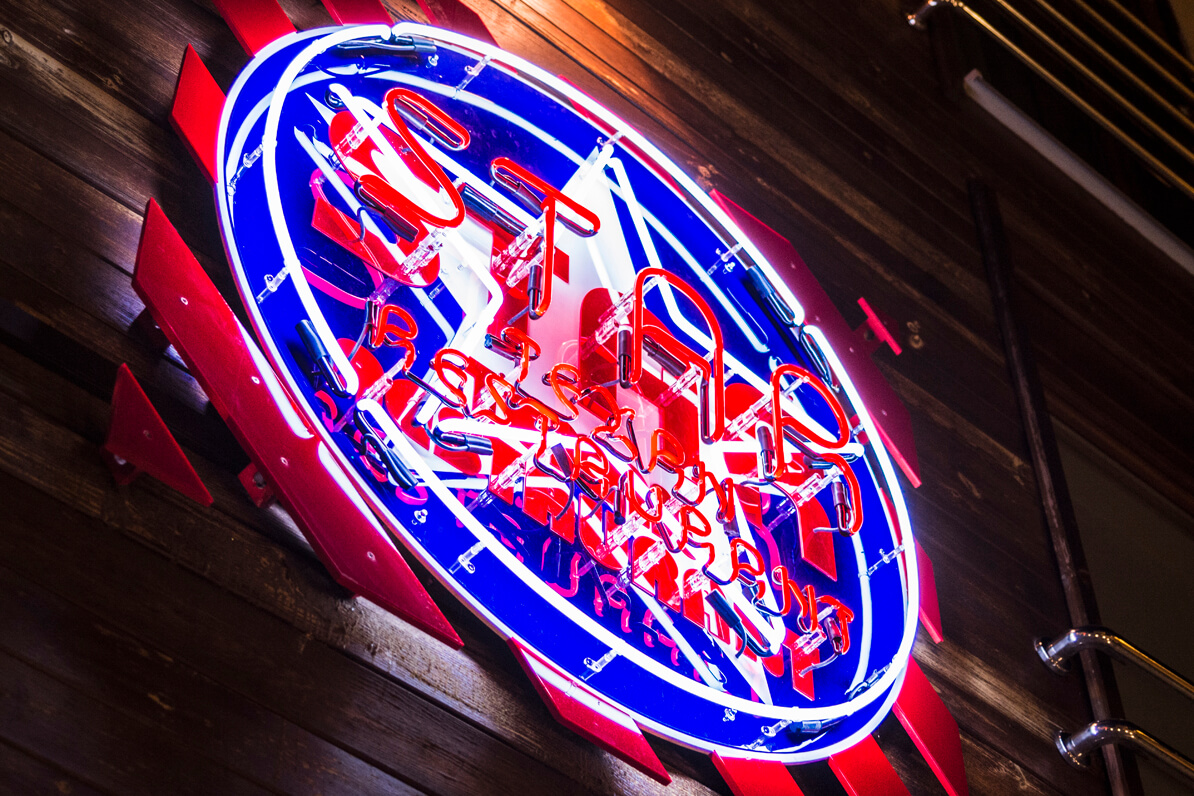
210	650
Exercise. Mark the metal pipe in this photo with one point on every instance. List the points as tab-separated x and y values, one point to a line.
1123	70
1136	49
1068	644
916	19
1046	463
1128	15
1075	748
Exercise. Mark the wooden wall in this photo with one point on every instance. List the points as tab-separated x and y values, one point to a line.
150	645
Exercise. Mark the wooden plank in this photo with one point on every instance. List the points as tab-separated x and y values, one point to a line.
54	111
99	744
81	651
131	50
26	774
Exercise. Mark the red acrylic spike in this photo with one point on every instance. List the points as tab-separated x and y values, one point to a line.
816	547
255	23
933	730
455	15
930	610
863	770
887	410
358	12
749	777
138	441
195	114
803	681
880	327
253	480
299	467
585	713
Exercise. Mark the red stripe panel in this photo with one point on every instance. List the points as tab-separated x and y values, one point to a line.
358	12
864	771
195	114
242	387
455	15
138	436
747	777
585	713
255	23
933	730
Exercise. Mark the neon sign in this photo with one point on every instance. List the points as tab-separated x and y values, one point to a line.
564	378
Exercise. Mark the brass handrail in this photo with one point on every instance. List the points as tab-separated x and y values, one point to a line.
916	19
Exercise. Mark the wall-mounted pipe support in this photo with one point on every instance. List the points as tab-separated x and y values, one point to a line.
1075	748
1056	653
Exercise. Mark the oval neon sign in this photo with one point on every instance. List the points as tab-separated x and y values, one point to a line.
567	382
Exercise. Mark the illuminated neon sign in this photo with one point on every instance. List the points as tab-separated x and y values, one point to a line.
564	378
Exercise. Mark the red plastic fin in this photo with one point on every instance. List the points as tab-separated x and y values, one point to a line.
816	548
295	463
886	409
138	441
801	660
748	777
881	326
255	484
455	15
195	114
582	711
358	12
930	610
933	730
255	23
864	771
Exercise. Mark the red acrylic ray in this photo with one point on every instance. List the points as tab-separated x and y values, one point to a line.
293	460
455	15
930	610
588	715
816	548
933	730
749	777
255	23
880	326
801	660
256	486
887	410
358	12
138	441
195	114
863	770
